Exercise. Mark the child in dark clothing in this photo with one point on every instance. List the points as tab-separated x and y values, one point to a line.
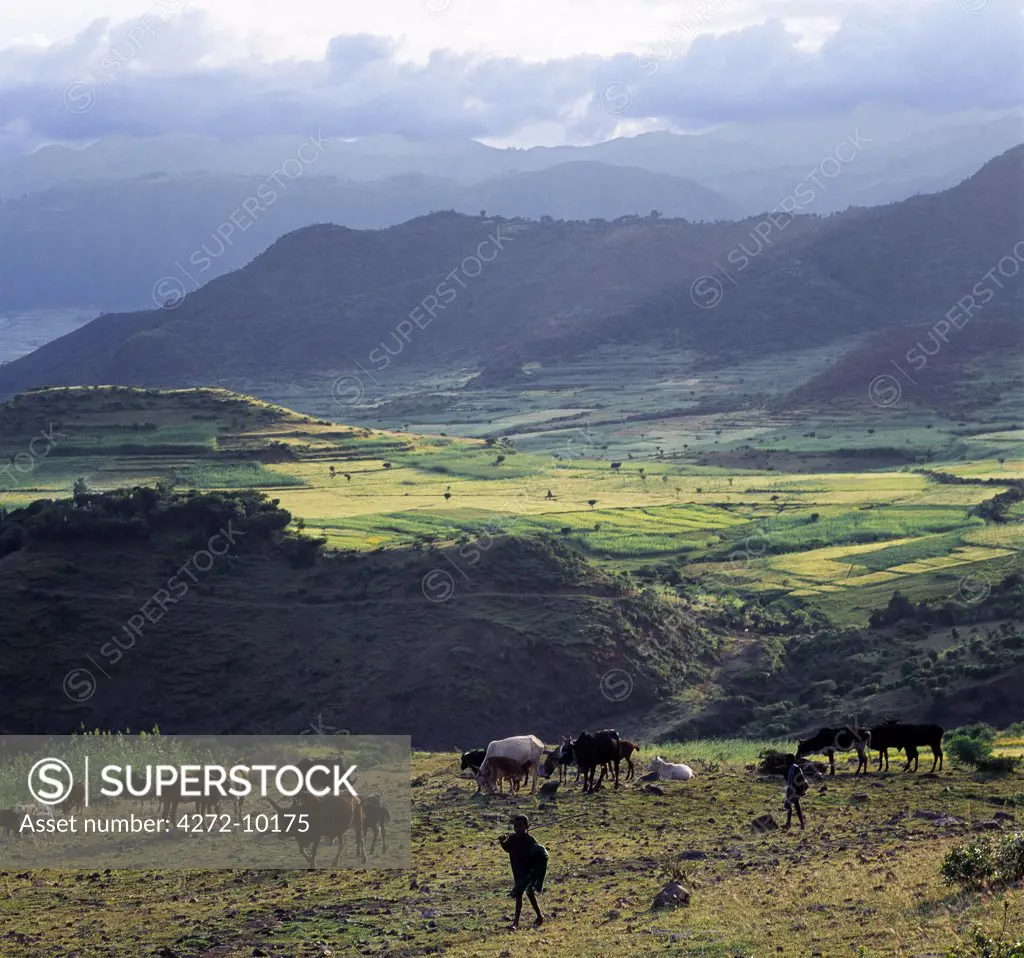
796	785
529	865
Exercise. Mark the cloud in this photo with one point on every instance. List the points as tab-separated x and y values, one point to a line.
180	73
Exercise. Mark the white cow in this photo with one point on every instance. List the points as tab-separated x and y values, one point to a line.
674	771
518	748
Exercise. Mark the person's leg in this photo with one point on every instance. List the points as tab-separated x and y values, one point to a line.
789	813
799	811
536	907
519	909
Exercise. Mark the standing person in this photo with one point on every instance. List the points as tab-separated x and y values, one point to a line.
796	785
529	865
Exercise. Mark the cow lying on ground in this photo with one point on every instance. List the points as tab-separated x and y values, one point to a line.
673	771
828	741
524	749
909	738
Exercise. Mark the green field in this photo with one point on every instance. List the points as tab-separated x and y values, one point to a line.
863	879
840	538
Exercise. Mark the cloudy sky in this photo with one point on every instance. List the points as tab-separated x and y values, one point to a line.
505	71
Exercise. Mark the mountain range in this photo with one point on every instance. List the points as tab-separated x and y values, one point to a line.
124	212
495	293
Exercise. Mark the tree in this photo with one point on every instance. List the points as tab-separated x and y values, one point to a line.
334	472
79	489
550	495
591	503
447	496
387	465
348	478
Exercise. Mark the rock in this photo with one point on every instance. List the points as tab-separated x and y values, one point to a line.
1003	817
653	790
860	797
693	856
672	895
764	823
948	820
922	813
420	781
898	817
990	826
548	788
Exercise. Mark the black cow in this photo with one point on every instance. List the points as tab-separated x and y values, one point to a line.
594	750
828	741
909	738
473	759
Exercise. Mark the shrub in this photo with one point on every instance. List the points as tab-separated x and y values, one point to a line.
982	945
998	764
968	751
984	862
969	864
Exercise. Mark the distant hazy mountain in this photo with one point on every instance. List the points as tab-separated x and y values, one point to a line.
107	243
750	163
326	297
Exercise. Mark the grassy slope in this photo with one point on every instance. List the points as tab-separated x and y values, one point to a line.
855	883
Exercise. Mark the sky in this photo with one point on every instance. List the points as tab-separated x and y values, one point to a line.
508	72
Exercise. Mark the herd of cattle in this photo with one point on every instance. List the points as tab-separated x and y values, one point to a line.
519	757
879	738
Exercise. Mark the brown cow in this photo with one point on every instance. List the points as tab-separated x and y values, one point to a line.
75	799
626	749
499	768
9	820
327	818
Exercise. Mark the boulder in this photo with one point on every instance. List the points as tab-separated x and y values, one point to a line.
671	896
764	823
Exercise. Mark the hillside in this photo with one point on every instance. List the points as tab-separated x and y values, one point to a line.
553	290
116	237
270	636
472	569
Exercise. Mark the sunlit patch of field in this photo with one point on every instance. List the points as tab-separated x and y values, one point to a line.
815	535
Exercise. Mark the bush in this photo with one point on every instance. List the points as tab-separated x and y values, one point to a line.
998	765
969	751
972	744
970	864
982	945
984	862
